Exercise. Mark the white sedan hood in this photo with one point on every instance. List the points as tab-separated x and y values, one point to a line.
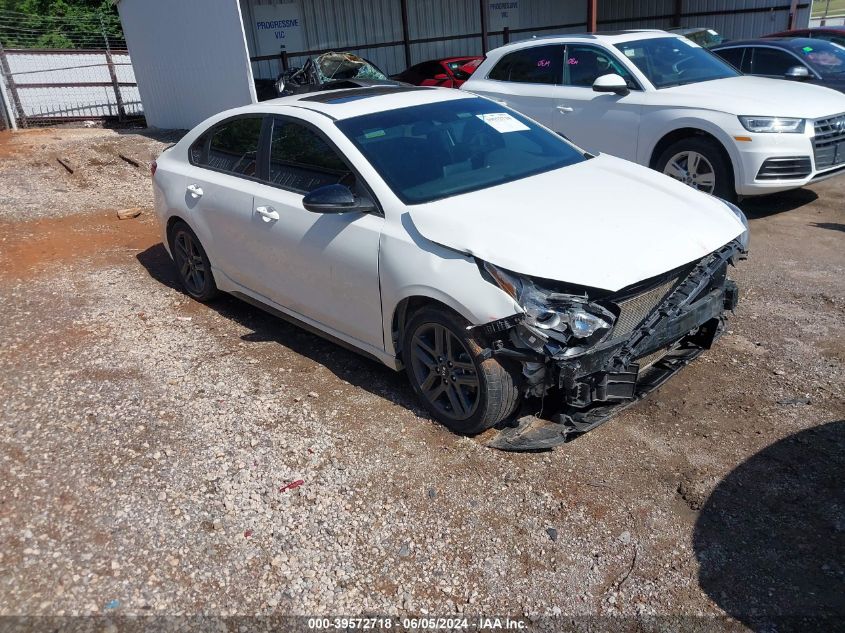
758	96
603	223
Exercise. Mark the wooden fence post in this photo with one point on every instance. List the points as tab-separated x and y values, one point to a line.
16	109
121	111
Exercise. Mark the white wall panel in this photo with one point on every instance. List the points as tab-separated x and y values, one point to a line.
190	58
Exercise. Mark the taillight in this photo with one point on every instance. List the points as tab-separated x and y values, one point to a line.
153	167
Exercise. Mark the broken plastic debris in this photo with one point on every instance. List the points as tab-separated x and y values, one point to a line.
292	485
247	533
114	604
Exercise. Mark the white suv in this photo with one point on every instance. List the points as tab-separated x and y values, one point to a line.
665	102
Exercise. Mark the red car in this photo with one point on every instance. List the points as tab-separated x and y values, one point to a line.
450	72
835	34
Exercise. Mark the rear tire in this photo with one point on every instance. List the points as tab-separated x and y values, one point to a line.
192	263
700	163
459	388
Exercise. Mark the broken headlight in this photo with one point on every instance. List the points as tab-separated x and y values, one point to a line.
552	318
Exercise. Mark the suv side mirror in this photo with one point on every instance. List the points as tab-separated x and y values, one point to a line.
335	199
798	73
611	83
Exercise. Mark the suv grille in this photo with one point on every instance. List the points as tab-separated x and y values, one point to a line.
829	142
634	310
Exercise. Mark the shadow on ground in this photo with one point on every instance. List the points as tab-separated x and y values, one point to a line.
831	226
770	540
763	206
345	364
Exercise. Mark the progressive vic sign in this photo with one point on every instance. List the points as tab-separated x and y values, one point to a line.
277	26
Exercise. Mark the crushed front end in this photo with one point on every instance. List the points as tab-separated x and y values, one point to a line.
586	354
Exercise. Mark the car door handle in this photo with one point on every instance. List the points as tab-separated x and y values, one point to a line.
563	109
267	214
195	191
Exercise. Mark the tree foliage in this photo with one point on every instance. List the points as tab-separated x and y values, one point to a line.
59	24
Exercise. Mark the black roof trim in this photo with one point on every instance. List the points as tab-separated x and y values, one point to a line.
353	94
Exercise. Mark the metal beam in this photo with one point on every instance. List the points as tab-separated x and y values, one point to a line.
406	33
592	15
482	6
679	11
793	14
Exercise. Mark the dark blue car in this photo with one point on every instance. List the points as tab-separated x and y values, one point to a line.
797	58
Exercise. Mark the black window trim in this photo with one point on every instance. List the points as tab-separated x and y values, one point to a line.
608	52
265	158
209	134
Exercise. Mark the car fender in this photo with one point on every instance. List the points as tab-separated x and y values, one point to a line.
412	266
656	125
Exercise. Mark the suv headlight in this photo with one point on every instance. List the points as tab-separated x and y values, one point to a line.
745	238
555	315
775	124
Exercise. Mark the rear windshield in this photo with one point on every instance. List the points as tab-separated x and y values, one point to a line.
443	149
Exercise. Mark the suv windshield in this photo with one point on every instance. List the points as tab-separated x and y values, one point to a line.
443	149
674	61
825	58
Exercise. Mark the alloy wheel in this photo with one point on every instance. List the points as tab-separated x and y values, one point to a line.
190	262
444	371
693	169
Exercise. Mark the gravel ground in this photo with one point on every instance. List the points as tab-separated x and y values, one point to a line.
159	456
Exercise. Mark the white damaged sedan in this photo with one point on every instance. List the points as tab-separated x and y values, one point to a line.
520	282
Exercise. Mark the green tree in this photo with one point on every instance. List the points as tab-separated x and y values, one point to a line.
59	24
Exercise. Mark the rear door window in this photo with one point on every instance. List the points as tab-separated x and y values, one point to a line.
301	160
230	147
733	56
535	65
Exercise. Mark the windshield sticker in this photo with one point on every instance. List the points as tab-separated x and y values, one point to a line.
503	122
544	63
630	52
374	133
807	49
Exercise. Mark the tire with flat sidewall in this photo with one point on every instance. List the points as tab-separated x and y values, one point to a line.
209	290
498	384
725	187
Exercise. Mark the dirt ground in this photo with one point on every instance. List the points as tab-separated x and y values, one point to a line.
147	442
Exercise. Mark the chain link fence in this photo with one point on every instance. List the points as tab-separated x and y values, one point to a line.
64	68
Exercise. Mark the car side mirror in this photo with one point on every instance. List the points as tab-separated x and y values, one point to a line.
335	199
798	73
611	83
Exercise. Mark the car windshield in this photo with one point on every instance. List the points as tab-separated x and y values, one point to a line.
826	58
674	61
442	149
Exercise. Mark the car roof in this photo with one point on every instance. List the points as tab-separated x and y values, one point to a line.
609	37
788	43
351	102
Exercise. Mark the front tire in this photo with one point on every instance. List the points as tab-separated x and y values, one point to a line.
463	391
701	164
192	263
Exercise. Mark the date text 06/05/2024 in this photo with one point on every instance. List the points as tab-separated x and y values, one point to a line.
418	624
